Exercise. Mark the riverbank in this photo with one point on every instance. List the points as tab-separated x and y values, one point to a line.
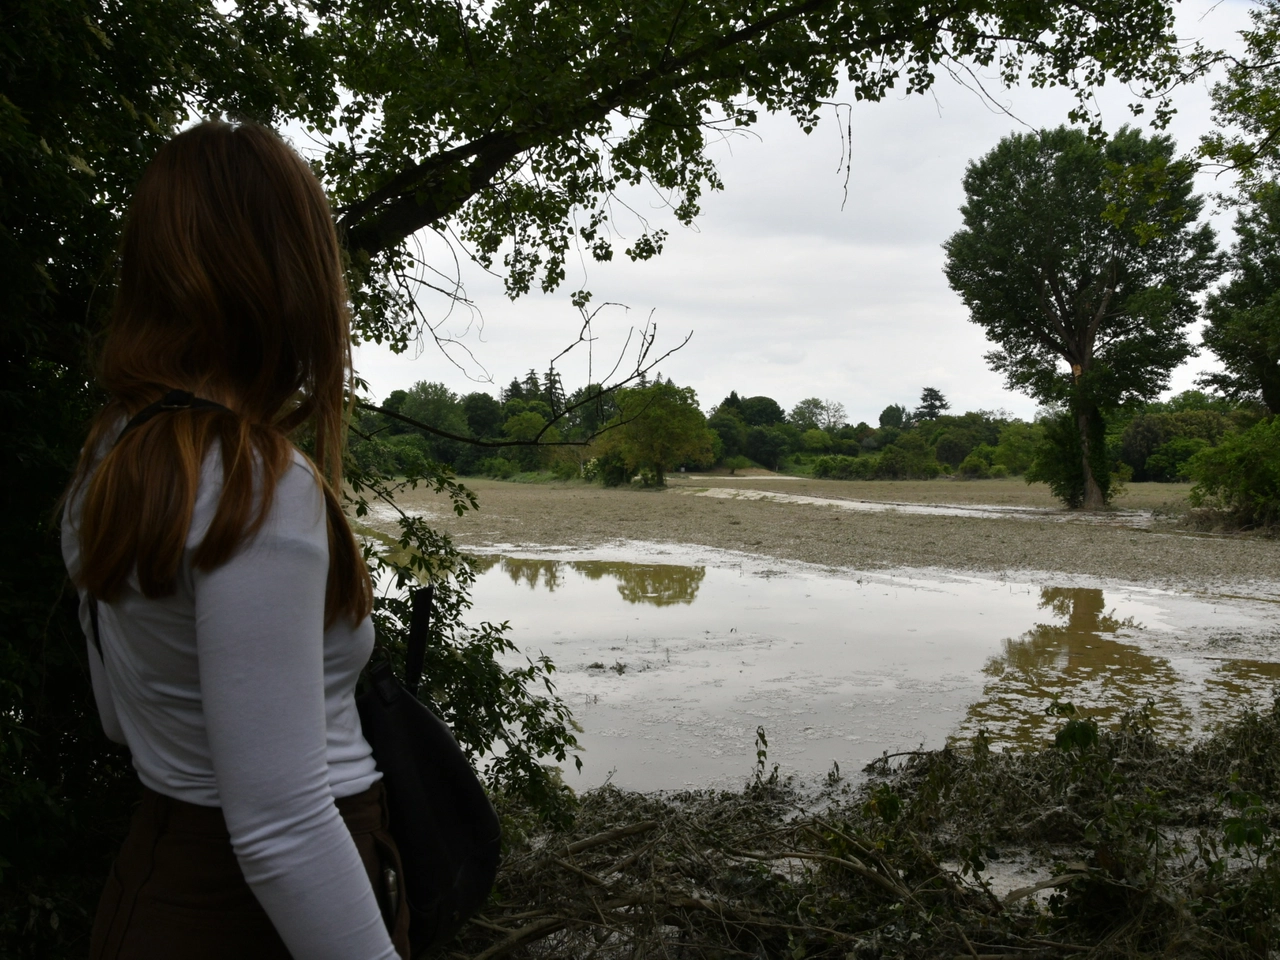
1139	542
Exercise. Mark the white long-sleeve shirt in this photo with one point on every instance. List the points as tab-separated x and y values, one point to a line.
231	693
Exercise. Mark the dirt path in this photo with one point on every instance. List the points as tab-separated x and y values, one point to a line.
702	510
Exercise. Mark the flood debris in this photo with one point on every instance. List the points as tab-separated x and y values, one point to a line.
1146	848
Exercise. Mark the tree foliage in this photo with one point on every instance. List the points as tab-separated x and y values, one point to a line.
1087	305
932	404
516	123
1241	476
1062	446
762	412
659	427
894	415
1244	313
1246	136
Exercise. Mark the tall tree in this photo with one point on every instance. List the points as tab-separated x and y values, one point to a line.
807	414
1244	313
1087	309
894	415
762	411
833	415
932	404
658	427
553	390
483	414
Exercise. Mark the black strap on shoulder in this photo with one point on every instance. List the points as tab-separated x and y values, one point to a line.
173	400
93	619
419	626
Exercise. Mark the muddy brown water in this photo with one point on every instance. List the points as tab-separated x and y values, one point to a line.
671	659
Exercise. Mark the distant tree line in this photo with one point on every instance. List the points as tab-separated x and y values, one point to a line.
641	433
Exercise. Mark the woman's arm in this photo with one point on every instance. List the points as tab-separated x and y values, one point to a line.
259	636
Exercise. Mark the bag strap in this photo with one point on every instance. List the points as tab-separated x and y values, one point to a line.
419	626
173	400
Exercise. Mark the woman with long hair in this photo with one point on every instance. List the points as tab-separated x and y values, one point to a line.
223	595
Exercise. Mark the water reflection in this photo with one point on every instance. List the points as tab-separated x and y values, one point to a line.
671	667
1087	656
659	584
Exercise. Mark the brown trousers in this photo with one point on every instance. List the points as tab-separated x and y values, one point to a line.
176	890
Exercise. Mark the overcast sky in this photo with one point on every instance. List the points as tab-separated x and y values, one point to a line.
787	294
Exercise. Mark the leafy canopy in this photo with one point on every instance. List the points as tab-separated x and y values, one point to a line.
1244	313
659	427
519	126
1074	300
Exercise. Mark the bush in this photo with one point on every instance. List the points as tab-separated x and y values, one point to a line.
974	467
816	440
1015	447
612	469
844	468
498	468
999	471
1241	475
908	458
1166	461
954	445
1059	460
1152	434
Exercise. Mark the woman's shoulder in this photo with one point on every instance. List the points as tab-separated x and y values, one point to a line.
296	510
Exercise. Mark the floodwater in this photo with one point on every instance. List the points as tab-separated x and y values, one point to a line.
672	659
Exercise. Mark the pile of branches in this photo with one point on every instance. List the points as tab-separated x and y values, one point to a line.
1150	848
719	875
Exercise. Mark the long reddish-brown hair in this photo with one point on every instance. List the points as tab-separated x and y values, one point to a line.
230	286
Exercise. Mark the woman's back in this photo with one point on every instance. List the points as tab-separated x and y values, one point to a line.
233	605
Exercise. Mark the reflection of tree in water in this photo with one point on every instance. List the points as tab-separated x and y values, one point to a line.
533	573
1080	659
660	584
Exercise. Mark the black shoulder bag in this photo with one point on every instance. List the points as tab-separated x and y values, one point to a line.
445	828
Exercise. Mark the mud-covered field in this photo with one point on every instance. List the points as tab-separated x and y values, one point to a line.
1141	541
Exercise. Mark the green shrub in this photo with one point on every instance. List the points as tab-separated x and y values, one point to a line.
1016	446
836	467
1166	461
1058	459
1241	475
612	469
498	468
1152	434
974	467
999	471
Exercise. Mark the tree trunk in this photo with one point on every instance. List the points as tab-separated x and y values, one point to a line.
1092	492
